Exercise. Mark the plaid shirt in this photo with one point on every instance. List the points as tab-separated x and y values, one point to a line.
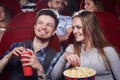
16	64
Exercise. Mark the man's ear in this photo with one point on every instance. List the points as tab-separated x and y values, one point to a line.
54	32
49	4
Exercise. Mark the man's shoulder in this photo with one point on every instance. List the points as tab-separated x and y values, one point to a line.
19	43
53	51
26	41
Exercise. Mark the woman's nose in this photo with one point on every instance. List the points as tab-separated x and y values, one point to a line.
74	30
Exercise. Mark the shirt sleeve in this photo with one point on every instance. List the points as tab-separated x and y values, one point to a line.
70	48
11	48
69	22
11	61
114	61
60	66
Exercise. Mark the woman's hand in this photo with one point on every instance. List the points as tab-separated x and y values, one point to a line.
72	58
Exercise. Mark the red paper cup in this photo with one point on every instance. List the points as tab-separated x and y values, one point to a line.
27	70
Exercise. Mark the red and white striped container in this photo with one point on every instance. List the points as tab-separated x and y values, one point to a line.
88	77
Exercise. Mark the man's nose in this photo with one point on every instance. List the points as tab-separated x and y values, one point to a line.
44	26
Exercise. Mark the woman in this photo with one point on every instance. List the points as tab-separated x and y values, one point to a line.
93	5
90	49
4	19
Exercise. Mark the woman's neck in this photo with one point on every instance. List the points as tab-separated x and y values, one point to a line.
87	46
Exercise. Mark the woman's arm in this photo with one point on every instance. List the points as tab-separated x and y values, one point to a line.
114	61
58	68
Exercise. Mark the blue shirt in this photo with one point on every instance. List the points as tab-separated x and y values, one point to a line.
64	23
15	65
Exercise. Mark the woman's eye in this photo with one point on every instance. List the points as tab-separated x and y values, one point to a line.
79	27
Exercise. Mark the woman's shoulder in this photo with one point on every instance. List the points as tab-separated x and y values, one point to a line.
70	45
109	48
110	51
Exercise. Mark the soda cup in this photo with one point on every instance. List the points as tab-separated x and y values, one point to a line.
27	70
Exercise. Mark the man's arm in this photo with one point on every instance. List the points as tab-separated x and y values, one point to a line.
4	61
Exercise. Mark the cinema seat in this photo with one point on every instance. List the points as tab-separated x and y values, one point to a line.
23	19
41	4
118	7
13	6
107	20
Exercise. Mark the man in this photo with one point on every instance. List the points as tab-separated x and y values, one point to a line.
43	57
64	27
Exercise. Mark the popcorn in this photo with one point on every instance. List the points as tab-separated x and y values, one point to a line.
79	72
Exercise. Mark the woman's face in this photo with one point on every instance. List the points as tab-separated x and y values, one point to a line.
2	14
78	29
90	5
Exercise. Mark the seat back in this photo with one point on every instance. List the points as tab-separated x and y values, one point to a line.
107	20
15	35
118	7
110	26
13	6
110	6
82	4
41	4
23	19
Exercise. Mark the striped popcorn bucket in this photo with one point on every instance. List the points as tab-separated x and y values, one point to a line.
79	74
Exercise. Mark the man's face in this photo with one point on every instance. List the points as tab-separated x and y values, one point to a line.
2	14
44	27
56	5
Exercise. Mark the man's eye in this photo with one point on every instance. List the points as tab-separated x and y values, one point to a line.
51	25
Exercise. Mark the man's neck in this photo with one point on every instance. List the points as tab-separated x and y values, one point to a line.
38	45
